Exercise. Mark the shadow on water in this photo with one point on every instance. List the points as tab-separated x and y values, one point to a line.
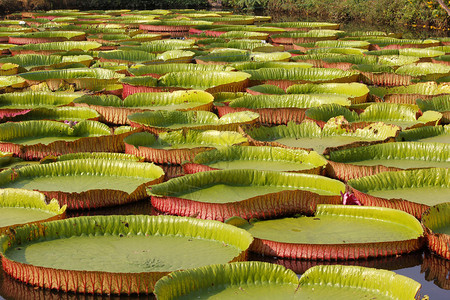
431	271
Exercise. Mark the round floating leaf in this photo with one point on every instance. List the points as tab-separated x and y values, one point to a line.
86	183
270	281
46	36
246	193
426	71
176	147
136	251
159	70
438	134
334	133
32	99
413	191
436	223
287	77
159	121
38	61
37	139
114	110
68	114
339	232
19	207
259	158
356	92
56	47
363	161
270	64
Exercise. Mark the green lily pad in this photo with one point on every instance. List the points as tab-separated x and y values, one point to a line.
259	158
334	133
401	115
437	226
159	121
176	147
246	193
19	207
46	48
74	114
115	110
269	281
136	251
32	99
159	70
428	134
338	232
356	92
413	191
86	183
37	139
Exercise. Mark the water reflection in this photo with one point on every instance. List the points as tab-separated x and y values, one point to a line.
436	269
387	263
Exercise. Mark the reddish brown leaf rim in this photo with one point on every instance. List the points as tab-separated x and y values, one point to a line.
335	252
267	206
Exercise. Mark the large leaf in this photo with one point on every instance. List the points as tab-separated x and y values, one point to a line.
357	92
270	281
245	193
32	99
37	139
96	73
259	158
369	160
86	183
19	207
37	61
58	46
176	147
339	232
157	121
436	223
136	251
413	191
301	74
288	101
167	68
334	133
440	134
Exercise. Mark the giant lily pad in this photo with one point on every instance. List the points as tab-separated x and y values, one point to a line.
159	121
413	191
363	161
269	281
82	78
287	77
404	116
86	183
115	110
37	139
439	103
222	194
338	232
19	207
436	223
209	81
334	133
281	109
409	93
157	70
434	134
176	147
259	158
136	251
46	37
67	114
356	92
49	48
